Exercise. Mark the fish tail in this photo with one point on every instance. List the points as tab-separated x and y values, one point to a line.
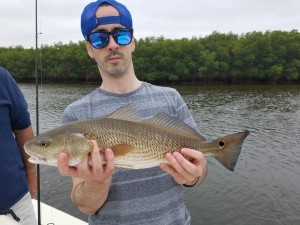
231	148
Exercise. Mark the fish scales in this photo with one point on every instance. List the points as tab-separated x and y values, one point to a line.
152	143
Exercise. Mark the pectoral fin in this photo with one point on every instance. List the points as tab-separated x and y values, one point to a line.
122	149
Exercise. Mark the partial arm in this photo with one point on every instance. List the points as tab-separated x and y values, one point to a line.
21	137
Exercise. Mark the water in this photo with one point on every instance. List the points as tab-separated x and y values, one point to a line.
264	189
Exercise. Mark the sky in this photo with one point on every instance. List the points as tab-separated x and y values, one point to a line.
59	20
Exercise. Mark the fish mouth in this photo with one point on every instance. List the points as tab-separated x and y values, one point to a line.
37	160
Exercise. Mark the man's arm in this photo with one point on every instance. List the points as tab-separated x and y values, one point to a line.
91	181
21	137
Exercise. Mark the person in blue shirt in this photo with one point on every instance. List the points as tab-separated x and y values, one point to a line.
18	181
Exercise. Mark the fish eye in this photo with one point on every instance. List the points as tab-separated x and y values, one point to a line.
221	143
44	143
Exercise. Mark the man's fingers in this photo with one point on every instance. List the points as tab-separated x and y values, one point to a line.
63	165
110	160
197	158
95	156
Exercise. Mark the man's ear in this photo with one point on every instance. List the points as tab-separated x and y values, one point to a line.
90	50
133	45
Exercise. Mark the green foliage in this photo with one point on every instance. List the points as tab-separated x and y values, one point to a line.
256	57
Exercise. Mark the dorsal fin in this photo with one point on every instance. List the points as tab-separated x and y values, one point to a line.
127	112
171	123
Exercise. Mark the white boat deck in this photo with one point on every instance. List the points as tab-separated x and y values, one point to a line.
50	215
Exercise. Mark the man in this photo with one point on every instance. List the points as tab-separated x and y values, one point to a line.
117	196
18	182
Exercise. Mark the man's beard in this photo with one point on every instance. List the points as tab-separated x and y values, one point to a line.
117	70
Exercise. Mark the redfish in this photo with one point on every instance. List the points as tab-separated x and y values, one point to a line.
136	144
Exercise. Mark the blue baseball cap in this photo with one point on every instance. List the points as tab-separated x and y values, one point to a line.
89	21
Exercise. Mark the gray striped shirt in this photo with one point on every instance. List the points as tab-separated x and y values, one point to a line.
145	196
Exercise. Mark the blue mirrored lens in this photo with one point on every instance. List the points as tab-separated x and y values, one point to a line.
101	38
123	37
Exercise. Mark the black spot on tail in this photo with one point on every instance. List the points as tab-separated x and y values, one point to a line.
221	143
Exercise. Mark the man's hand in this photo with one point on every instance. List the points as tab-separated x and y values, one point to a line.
187	167
88	171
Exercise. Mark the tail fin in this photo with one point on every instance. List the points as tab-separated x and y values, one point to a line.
230	152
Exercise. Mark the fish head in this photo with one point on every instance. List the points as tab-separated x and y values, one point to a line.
45	148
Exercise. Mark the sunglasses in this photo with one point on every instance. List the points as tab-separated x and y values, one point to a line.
100	39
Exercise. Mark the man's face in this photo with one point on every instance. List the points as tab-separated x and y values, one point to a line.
114	59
